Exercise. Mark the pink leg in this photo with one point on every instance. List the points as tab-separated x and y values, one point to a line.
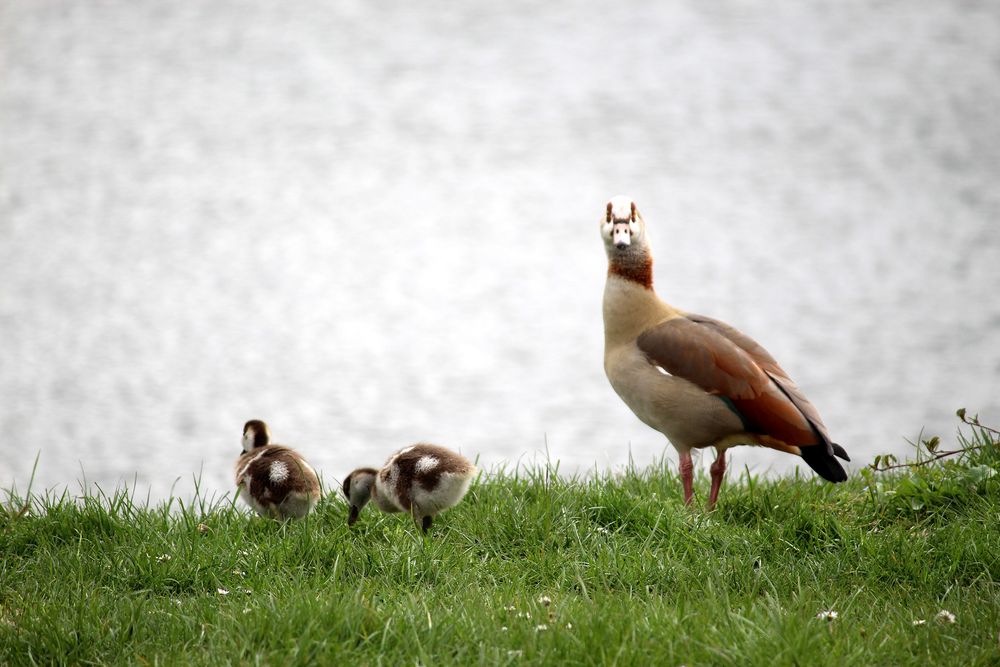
687	476
718	470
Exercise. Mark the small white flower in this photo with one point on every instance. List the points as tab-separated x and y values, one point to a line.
515	654
243	552
545	600
523	614
945	616
829	615
223	591
511	608
919	621
177	602
541	628
162	558
569	626
503	628
239	573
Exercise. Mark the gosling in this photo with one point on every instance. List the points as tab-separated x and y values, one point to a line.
421	479
274	480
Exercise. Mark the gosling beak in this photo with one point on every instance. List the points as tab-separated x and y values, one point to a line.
353	516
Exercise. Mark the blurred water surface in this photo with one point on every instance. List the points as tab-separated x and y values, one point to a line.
371	224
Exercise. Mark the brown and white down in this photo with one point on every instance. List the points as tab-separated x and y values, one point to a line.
272	479
698	381
421	479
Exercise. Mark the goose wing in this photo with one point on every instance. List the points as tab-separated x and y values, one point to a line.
734	367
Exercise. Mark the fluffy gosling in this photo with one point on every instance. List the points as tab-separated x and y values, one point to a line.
421	479
274	480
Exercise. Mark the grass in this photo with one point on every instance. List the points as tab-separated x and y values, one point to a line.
529	569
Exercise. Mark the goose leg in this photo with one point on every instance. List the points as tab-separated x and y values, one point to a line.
427	523
687	476
718	470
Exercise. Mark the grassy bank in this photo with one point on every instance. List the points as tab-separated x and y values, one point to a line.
530	569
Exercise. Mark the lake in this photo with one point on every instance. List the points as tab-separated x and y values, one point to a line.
371	225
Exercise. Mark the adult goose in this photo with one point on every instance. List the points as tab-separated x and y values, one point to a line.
697	380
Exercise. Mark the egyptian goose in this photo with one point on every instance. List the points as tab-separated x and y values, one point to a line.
421	479
698	381
274	480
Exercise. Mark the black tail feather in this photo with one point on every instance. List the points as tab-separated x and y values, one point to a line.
820	460
840	451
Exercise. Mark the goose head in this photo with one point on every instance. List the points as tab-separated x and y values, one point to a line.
255	434
622	227
358	489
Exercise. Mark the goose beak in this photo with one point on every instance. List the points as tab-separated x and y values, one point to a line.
353	516
621	235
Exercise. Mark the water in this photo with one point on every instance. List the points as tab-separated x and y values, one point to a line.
371	225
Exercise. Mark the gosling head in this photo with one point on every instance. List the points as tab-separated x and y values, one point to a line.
624	233
358	487
255	434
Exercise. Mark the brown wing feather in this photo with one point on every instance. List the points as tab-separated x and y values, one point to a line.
704	355
745	342
773	370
